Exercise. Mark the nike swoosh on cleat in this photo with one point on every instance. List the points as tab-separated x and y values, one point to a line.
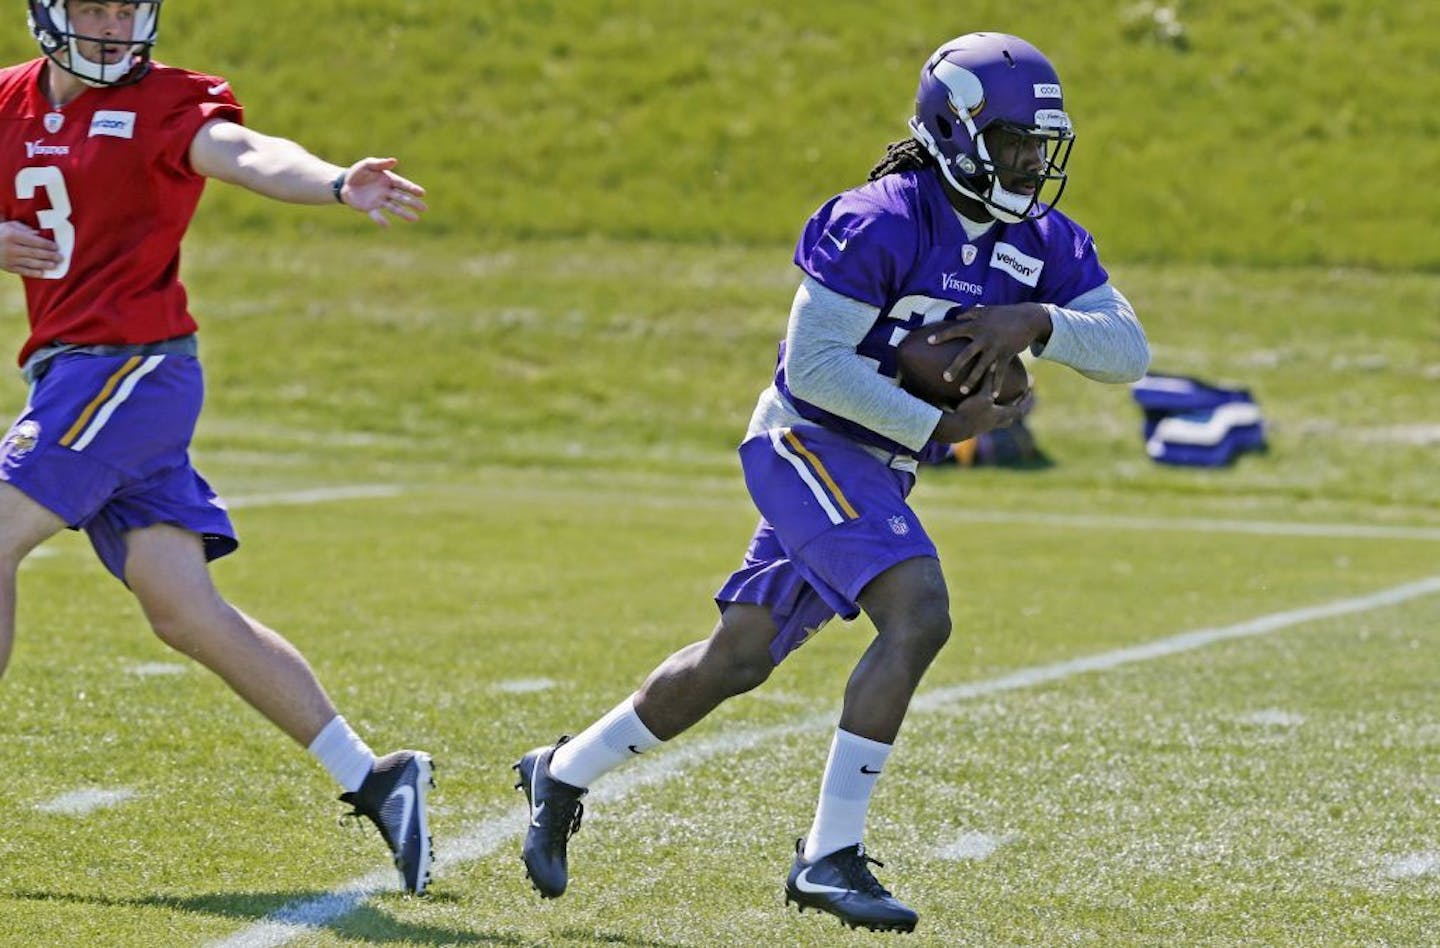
815	888
866	770
535	817
407	796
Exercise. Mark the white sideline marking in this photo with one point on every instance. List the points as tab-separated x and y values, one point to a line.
1184	642
1190	524
152	669
316	495
1272	717
523	686
1412	865
81	802
974	846
483	838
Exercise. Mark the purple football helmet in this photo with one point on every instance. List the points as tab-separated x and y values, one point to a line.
51	25
994	82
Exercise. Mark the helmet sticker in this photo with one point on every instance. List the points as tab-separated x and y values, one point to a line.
1052	119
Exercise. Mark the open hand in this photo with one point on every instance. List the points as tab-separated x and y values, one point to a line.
371	187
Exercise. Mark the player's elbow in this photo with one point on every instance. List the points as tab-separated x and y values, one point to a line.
1138	362
1131	359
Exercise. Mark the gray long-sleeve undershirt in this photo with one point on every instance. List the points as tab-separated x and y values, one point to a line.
1097	334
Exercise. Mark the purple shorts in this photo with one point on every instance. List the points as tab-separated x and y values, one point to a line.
833	517
104	444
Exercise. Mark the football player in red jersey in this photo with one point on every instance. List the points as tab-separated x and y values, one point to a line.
103	156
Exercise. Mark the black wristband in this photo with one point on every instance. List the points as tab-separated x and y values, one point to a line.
337	186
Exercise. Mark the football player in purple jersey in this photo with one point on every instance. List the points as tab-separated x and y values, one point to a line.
955	235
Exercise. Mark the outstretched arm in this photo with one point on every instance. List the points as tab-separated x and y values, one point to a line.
281	169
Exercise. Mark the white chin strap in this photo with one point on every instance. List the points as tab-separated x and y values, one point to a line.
1007	205
97	74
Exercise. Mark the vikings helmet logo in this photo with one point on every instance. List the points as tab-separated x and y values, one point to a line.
966	92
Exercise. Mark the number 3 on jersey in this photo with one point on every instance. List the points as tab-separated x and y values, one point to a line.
55	218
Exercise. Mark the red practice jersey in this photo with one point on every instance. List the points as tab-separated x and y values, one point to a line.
108	178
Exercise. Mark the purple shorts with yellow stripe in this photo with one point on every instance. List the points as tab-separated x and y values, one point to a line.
833	517
104	444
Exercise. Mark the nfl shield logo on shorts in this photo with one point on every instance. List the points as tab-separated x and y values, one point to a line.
898	526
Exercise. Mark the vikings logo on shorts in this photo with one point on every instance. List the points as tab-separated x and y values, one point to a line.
19	442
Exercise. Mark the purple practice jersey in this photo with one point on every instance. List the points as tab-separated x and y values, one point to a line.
897	244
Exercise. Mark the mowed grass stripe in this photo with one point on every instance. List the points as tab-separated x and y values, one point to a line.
485	837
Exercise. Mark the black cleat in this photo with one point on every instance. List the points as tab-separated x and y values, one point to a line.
555	811
393	798
842	884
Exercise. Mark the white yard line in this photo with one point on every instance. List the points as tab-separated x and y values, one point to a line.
1172	645
483	838
1267	528
81	802
317	495
1412	865
523	686
157	669
974	846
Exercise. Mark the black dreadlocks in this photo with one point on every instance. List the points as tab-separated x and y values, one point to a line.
904	155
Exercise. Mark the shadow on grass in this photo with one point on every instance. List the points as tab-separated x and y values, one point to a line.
363	923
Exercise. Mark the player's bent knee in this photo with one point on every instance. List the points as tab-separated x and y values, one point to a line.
746	673
173	632
921	635
740	648
187	629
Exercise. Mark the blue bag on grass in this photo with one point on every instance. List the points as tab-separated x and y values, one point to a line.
1193	423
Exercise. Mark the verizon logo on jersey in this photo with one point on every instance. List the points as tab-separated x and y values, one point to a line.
114	123
1021	266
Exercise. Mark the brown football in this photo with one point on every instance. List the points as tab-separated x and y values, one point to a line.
920	364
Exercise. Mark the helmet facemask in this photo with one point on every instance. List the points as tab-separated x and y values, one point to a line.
60	41
1001	151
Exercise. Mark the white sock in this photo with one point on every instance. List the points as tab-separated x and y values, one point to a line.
850	774
600	748
341	751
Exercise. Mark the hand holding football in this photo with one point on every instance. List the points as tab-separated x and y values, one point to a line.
921	363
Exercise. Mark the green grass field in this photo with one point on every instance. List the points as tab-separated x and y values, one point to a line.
533	401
